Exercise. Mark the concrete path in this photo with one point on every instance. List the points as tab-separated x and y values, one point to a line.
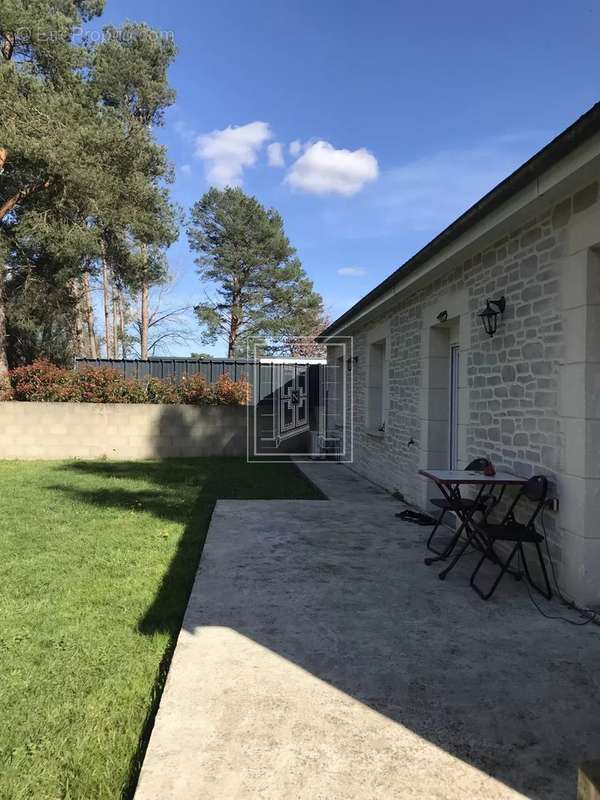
319	659
340	483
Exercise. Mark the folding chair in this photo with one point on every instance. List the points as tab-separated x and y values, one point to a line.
510	530
457	504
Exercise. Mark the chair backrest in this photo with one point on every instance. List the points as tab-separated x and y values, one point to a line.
534	490
478	465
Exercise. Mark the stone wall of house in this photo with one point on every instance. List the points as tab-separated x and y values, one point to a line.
512	379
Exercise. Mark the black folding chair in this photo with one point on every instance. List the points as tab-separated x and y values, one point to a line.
456	504
510	530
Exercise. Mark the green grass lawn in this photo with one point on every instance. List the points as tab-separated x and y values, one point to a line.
96	564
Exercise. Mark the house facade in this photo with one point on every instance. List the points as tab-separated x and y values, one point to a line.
431	388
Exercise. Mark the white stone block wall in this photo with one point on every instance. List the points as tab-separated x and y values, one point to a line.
513	408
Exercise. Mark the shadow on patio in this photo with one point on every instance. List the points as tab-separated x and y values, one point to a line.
340	590
182	491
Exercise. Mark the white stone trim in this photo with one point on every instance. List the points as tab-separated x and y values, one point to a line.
436	338
376	334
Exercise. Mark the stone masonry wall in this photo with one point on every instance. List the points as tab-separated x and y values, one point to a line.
513	378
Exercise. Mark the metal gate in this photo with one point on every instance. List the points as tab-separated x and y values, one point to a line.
286	407
293	399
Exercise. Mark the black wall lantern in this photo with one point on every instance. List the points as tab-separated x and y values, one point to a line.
489	316
442	316
350	362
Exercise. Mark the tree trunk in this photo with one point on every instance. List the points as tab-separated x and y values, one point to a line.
234	325
144	321
232	340
106	303
115	324
21	195
89	317
79	345
122	321
3	337
8	46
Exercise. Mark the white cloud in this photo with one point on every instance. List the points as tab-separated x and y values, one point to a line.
228	152
185	169
275	155
351	272
295	148
322	169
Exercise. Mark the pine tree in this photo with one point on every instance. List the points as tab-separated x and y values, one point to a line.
262	290
130	76
82	181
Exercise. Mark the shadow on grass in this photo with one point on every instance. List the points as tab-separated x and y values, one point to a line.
209	479
351	604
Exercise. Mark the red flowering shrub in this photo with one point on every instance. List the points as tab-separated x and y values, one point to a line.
159	391
226	392
195	390
43	382
106	385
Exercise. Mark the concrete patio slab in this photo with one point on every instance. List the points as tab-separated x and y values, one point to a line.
319	659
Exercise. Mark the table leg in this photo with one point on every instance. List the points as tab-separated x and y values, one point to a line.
477	540
452	494
471	535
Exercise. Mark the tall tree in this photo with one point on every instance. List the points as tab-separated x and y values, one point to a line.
130	75
48	110
307	346
154	230
262	291
130	72
88	305
167	321
47	117
151	272
80	172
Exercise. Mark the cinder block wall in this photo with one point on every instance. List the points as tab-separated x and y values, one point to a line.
92	430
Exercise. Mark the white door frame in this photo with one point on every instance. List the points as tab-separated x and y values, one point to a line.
453	411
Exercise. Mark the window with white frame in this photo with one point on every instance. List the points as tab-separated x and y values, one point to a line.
378	386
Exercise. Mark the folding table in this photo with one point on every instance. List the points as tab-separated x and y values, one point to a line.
449	482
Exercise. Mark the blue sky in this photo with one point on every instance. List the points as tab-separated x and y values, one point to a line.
403	113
